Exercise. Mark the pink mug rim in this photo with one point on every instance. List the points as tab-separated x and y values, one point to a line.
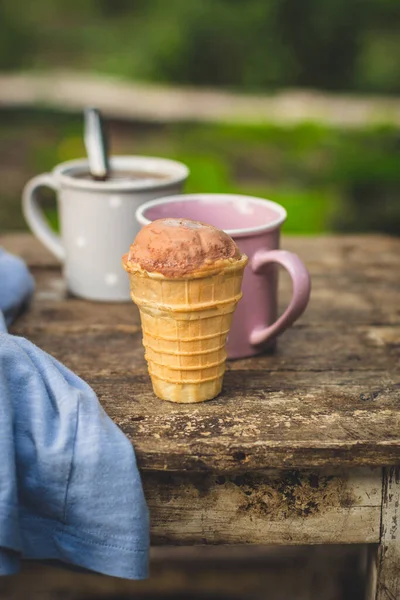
245	231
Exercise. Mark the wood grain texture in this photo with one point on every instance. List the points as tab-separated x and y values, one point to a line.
388	564
328	395
117	349
265	507
255	424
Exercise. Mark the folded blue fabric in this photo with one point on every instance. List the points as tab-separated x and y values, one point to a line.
16	287
70	490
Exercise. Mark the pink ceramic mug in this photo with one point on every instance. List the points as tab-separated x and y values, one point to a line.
255	226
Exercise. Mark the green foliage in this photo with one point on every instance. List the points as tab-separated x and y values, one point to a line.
252	44
16	38
327	179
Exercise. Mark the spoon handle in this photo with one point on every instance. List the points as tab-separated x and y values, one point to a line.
96	144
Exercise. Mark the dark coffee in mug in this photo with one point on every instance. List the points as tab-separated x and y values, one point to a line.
131	175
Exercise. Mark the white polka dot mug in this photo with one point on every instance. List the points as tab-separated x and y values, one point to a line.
97	218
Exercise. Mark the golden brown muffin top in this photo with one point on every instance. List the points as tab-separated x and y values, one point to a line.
177	247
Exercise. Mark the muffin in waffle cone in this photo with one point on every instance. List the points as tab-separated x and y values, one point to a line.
186	311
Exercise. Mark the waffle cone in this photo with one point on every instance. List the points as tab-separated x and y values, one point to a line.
185	323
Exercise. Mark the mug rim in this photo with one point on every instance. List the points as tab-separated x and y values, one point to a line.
179	173
241	232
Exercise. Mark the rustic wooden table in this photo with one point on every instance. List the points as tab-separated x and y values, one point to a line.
303	445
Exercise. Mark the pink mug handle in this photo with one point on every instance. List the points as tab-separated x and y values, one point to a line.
301	291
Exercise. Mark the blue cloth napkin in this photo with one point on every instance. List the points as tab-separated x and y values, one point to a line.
70	490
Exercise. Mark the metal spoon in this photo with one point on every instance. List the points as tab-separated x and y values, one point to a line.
96	144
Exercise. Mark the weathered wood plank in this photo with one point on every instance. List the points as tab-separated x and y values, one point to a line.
116	349
286	409
279	508
325	394
336	300
29	248
388	565
251	426
329	393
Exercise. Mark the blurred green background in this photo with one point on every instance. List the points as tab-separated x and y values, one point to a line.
329	179
244	44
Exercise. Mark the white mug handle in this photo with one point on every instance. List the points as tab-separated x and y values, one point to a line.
36	218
